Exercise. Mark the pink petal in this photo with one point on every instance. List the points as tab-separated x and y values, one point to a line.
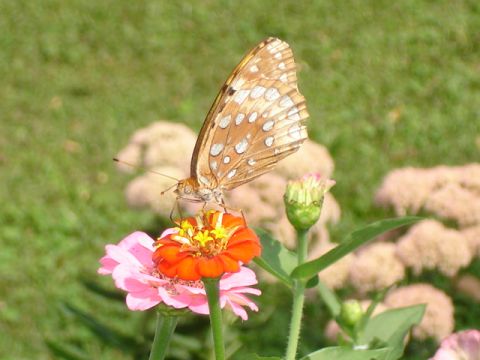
199	305
244	277
239	311
143	300
464	345
181	288
168	231
177	301
245	290
140	245
121	255
129	279
108	264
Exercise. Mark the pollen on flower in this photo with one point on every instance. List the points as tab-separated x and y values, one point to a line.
206	245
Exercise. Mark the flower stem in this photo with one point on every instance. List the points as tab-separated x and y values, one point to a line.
213	296
298	299
163	332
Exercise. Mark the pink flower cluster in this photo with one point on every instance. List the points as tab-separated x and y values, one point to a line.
131	267
449	192
464	345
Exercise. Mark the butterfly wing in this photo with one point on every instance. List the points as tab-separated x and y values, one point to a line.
256	120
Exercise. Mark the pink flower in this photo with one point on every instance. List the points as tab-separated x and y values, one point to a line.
464	345
131	266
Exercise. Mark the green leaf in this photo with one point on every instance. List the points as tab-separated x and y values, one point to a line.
66	351
330	299
312	282
103	332
371	308
276	259
391	327
345	353
99	290
353	241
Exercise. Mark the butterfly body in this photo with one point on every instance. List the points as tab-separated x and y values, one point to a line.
190	189
257	119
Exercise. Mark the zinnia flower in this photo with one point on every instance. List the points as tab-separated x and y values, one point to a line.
207	245
464	345
131	265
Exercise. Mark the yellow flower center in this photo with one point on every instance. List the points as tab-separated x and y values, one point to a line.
206	237
203	237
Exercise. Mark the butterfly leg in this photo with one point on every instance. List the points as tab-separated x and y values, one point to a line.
225	208
175	205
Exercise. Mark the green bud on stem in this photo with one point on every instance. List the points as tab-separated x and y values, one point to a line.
304	198
351	312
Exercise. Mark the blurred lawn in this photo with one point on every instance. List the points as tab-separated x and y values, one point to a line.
388	84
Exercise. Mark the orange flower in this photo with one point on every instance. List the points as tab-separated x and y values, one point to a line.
205	246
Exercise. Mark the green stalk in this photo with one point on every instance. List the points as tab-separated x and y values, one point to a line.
298	299
163	332
213	296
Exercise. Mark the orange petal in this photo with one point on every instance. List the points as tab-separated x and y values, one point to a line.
242	235
244	251
169	253
229	265
187	269
230	221
167	269
210	268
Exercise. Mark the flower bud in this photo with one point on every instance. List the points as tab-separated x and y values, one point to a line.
351	312
304	198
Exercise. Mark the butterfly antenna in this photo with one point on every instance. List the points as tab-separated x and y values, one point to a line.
169	188
143	168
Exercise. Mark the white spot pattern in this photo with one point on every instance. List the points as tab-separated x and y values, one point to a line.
240	96
237	85
252	117
295	131
239	119
293	114
203	180
213	165
251	162
257	91
272	94
282	66
231	173
278	55
254	68
268	125
241	147
283	78
225	121
216	149
286	101
226	159
269	141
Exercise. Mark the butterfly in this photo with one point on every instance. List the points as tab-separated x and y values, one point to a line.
257	119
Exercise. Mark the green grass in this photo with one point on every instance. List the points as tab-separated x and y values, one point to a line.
388	84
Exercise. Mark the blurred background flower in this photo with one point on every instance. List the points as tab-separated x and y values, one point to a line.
376	267
430	245
464	345
438	320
